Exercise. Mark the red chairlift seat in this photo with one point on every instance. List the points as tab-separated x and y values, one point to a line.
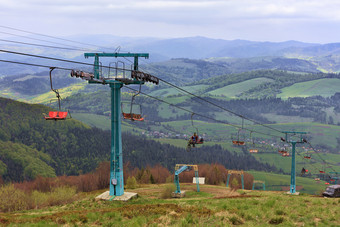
134	117
253	151
322	171
286	154
56	115
282	151
236	142
199	141
307	157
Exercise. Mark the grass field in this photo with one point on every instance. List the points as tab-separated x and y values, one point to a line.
64	92
274	182
234	90
212	206
324	87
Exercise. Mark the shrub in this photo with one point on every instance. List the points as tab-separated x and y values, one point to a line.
12	199
234	184
39	199
168	190
131	183
61	195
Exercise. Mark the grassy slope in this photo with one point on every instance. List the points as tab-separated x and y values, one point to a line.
45	98
64	92
274	182
213	206
323	87
232	91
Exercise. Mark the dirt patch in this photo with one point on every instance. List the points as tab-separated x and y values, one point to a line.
218	192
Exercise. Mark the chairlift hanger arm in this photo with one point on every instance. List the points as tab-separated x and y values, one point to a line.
54	90
192	122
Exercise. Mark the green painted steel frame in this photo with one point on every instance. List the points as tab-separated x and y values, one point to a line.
176	179
259	182
292	189
116	155
242	180
97	55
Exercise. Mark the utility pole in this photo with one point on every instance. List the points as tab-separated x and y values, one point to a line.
293	169
116	83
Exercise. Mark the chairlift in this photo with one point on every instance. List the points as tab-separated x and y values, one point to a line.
56	115
195	139
307	156
286	154
252	149
304	171
283	149
238	141
135	113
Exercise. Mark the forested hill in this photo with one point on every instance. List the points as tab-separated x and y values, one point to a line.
69	146
31	146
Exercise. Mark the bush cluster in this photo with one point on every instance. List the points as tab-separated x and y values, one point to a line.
14	199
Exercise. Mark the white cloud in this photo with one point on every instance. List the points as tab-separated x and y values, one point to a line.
217	18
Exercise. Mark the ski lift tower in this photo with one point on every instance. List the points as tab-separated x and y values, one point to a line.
116	83
293	169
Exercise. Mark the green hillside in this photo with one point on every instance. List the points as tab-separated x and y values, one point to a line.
322	87
234	90
29	163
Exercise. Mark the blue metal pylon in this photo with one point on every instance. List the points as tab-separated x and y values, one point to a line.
116	155
292	189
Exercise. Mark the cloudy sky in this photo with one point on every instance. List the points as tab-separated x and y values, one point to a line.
258	20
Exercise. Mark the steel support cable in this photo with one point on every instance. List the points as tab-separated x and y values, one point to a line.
324	161
46	41
31	64
312	165
69	61
49	36
58	59
40	45
204	116
45	66
214	104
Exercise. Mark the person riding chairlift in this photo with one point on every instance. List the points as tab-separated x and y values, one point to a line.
194	140
304	171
